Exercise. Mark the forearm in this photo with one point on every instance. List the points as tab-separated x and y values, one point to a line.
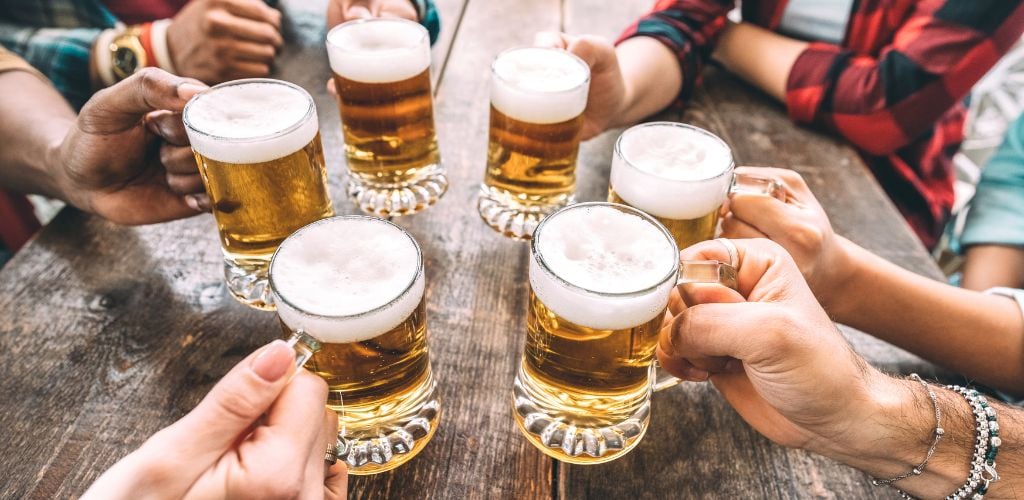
652	78
36	120
897	438
978	335
759	56
990	266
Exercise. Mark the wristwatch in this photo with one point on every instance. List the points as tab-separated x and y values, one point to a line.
127	53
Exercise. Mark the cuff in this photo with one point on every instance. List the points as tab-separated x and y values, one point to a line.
809	79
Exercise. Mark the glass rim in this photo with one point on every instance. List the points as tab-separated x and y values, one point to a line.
574	57
635	128
310	111
539	258
327	220
424	34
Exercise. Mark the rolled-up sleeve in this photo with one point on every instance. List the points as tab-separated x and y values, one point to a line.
689	28
996	213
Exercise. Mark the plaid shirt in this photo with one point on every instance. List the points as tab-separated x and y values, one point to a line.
56	37
894	87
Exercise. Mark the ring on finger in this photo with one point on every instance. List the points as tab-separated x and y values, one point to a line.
331	455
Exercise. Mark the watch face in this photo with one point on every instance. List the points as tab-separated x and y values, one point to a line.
125	62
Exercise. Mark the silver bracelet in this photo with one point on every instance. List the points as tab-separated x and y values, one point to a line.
939	432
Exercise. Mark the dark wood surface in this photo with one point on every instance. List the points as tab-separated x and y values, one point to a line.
110	333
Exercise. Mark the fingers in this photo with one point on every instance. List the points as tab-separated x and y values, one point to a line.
253	52
792	181
230	409
121	106
336	482
331	89
255	10
594	50
754	258
185	184
551	40
199	202
178	160
767	215
246	69
316	467
168	125
225	24
709	331
358	9
734	228
300	410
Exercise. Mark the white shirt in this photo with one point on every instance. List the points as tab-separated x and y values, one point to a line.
817	20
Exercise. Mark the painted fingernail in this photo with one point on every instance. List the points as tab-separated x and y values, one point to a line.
273	361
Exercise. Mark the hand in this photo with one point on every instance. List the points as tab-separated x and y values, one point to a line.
786	360
255	435
339	11
220	40
127	157
799	224
607	87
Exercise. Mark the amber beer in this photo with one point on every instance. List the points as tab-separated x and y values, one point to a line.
382	75
356	285
681	175
537	102
257	144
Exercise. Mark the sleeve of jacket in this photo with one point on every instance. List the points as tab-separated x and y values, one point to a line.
883	103
995	216
61	54
429	18
689	28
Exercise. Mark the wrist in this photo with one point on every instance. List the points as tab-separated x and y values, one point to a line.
838	294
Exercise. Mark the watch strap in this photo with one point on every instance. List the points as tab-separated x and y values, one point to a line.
158	40
103	59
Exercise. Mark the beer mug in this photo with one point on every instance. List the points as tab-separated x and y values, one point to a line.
257	145
681	175
537	102
600	279
382	76
355	285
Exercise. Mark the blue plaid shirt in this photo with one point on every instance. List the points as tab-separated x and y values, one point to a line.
56	37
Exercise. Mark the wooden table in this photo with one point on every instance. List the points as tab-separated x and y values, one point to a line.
109	333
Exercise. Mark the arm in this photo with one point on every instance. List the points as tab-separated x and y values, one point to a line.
980	336
61	54
882	103
800	384
994	232
656	74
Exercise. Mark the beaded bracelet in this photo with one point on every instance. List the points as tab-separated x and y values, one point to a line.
986	447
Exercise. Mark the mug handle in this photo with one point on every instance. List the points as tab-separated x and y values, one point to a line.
757	185
696	271
305	347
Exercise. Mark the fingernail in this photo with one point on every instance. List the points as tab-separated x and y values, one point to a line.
273	361
734	366
193	203
696	374
188	89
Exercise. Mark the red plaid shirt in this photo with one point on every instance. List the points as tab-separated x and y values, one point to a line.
893	88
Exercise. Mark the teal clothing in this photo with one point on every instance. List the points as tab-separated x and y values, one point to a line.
996	213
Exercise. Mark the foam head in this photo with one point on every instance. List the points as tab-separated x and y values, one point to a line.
620	264
537	85
250	121
672	170
378	50
347	279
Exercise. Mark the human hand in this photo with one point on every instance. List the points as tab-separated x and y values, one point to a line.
339	11
799	224
127	157
257	434
770	349
607	87
220	40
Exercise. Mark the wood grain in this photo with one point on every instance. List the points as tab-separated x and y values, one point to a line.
110	333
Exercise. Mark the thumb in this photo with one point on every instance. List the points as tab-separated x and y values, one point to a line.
123	105
229	410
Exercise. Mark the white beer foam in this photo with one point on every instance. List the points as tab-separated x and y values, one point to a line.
239	122
334	274
672	172
379	50
601	249
537	85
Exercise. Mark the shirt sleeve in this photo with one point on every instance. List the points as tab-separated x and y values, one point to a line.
429	18
61	54
883	103
996	214
11	62
689	28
